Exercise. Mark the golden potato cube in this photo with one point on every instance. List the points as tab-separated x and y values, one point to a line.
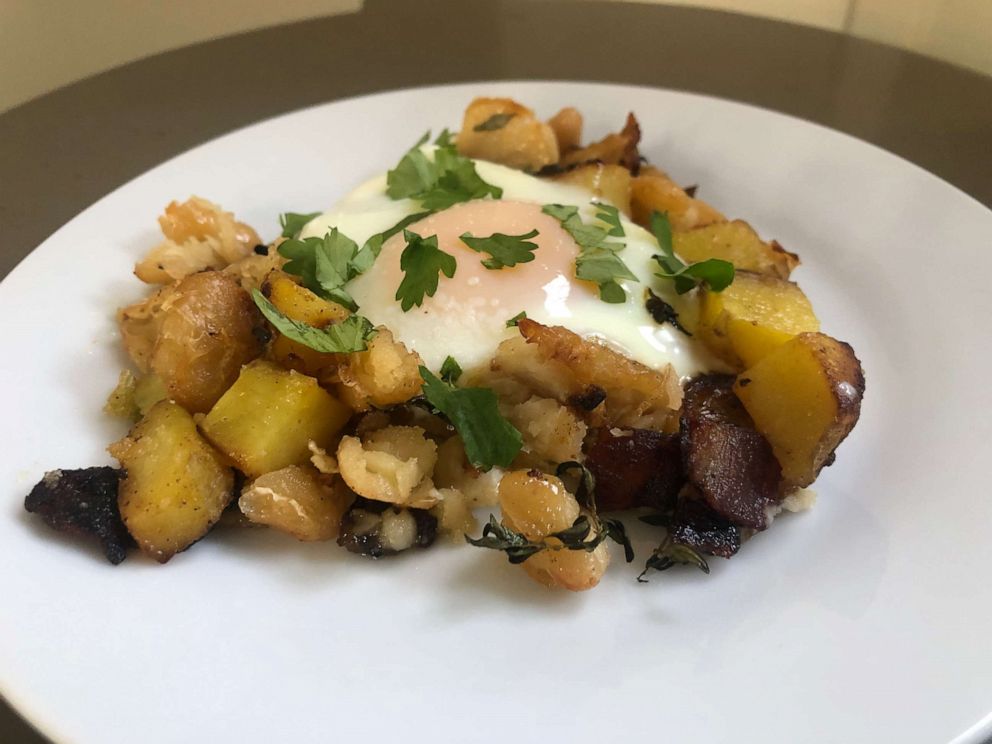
295	501
805	397
753	316
176	485
738	243
503	131
268	417
299	303
385	374
653	191
610	182
567	126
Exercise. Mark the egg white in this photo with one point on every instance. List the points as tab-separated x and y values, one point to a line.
470	330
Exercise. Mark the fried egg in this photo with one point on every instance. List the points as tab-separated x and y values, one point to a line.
467	316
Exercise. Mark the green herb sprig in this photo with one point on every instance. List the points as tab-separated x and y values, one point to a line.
670	553
350	335
515	320
422	263
597	260
503	250
493	123
293	222
490	440
715	273
439	183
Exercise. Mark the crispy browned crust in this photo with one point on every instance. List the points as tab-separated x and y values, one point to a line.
725	458
619	148
636	467
83	502
697	526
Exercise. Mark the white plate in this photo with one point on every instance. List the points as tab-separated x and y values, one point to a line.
865	619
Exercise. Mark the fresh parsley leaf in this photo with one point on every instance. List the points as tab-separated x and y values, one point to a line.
293	222
611	216
445	139
597	260
369	252
451	370
421	262
324	265
351	334
439	183
504	250
515	320
715	273
490	440
494	122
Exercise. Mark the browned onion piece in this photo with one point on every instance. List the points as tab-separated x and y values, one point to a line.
635	467
726	459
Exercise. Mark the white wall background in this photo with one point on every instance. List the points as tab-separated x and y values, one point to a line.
45	44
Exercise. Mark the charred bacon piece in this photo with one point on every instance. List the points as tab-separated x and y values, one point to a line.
636	467
376	529
696	525
83	502
725	458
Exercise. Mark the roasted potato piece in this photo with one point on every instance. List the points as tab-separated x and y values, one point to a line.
614	149
738	243
83	502
385	374
753	316
199	235
294	500
299	303
805	397
268	417
564	366
537	505
550	431
176	486
376	529
208	330
252	270
567	126
653	191
391	465
502	131
726	459
609	182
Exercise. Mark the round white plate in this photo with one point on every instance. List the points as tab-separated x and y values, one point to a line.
862	620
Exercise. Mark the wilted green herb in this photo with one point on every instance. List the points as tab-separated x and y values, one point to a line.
515	320
716	273
670	553
351	334
662	312
494	122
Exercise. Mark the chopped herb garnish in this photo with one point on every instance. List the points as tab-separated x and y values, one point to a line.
515	320
293	222
373	246
451	370
518	548
494	122
421	262
439	183
351	334
489	439
662	312
504	250
611	216
669	554
597	260
715	273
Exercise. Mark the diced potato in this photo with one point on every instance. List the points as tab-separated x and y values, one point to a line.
199	235
738	243
139	325
502	131
295	501
753	316
614	149
653	191
299	303
385	374
805	397
208	330
176	484
609	182
567	126
269	416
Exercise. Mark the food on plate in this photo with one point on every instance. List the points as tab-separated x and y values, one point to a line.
508	318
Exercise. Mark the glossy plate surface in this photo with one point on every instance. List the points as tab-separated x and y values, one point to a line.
863	620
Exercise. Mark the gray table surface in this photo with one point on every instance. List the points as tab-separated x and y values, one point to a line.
61	152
